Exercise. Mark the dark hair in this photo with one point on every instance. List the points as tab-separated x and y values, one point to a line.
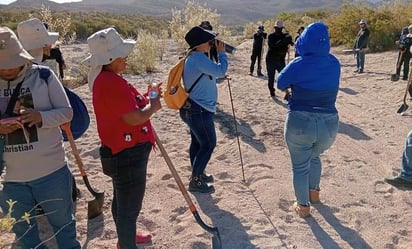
206	25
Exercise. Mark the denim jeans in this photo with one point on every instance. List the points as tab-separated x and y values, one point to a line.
54	193
406	170
203	135
307	136
271	68
360	60
128	172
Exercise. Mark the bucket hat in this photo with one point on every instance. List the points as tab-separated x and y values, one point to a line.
362	21
198	35
34	35
107	45
261	28
12	53
279	24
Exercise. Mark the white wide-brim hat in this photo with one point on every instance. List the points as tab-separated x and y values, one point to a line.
107	45
34	35
12	53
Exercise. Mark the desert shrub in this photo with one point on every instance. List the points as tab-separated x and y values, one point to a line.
143	57
193	14
61	23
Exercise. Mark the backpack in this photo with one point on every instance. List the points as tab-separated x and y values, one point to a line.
175	94
81	119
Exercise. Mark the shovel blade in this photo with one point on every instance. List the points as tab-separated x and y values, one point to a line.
95	207
402	108
394	77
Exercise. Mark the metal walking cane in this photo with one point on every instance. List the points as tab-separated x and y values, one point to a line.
237	134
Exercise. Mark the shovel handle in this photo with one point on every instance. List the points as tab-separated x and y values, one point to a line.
66	128
175	174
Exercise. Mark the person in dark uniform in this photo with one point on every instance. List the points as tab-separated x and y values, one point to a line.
258	41
404	42
213	52
278	43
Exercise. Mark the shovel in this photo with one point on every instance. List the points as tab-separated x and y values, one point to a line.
216	240
94	207
404	106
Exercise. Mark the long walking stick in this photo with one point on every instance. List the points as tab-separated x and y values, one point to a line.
237	134
94	207
216	240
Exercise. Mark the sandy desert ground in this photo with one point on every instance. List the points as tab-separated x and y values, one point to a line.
358	209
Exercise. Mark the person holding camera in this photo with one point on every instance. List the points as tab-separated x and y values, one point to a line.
278	43
212	52
201	74
257	50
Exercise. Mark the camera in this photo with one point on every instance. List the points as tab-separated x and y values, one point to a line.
228	48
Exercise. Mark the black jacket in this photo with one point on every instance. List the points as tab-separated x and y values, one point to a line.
278	43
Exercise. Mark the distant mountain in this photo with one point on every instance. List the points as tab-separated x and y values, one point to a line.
233	12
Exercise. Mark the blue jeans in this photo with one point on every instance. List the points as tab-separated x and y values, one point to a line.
307	136
406	171
360	60
203	135
54	193
128	172
271	68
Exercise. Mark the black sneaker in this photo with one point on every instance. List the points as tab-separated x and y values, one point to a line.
207	178
198	185
398	182
272	94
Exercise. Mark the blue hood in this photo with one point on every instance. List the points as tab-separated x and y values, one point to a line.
314	40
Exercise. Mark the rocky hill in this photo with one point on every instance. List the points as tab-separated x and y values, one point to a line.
232	11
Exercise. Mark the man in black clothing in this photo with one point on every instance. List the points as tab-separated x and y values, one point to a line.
404	42
361	43
278	43
258	41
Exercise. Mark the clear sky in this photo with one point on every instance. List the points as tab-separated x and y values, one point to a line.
57	1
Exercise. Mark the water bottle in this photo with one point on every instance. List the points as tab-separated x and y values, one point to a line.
153	91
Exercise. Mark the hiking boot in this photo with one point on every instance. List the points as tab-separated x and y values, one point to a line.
272	94
399	182
360	71
141	240
356	71
314	196
405	78
250	73
197	184
302	210
207	178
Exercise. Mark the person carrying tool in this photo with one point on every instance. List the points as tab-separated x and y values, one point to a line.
258	42
404	43
312	121
361	43
278	43
124	127
33	152
37	40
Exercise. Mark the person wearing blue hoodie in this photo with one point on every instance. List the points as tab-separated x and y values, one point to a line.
312	120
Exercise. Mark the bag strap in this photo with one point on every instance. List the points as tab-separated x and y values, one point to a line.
13	99
194	84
